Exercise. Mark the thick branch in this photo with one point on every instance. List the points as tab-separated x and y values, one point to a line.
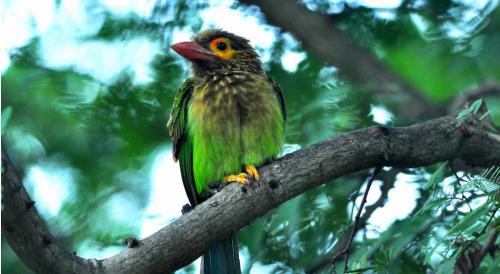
26	232
319	34
192	234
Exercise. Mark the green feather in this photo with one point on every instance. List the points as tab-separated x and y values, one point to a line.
222	124
235	119
182	147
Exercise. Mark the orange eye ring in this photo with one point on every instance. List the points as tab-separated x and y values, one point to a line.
222	48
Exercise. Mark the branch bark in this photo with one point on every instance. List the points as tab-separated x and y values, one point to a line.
28	234
192	234
319	34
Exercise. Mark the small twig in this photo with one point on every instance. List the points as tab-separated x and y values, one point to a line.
468	262
346	249
480	233
489	244
360	270
388	180
459	182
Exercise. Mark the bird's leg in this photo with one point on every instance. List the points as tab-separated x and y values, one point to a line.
241	178
252	171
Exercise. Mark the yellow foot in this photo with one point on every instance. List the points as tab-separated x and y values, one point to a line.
252	171
241	179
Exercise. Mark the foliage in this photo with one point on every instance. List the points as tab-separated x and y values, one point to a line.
88	132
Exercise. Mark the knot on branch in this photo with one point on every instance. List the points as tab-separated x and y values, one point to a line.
131	242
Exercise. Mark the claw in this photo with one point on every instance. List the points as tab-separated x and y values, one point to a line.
241	179
252	171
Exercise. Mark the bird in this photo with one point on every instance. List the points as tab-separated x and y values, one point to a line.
227	119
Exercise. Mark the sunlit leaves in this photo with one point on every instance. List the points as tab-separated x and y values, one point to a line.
437	176
107	133
447	267
488	181
469	220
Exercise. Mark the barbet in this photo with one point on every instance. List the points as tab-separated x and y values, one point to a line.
228	118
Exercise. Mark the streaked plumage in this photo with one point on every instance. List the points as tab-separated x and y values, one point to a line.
226	119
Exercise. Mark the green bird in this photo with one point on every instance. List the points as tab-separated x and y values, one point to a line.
228	118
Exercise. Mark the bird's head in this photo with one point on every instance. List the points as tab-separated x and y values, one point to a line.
215	50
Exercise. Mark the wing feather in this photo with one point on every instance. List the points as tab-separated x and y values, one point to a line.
182	146
279	94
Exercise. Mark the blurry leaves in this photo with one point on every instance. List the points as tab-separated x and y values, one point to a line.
494	267
447	267
437	176
301	229
401	233
469	219
107	132
488	181
381	260
6	113
127	27
433	204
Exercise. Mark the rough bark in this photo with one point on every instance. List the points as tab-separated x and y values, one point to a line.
27	233
192	234
319	34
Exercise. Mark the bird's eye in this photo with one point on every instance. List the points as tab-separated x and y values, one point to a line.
221	46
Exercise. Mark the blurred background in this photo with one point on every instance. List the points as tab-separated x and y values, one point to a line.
87	87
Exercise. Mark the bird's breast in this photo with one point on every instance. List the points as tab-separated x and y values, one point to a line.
231	101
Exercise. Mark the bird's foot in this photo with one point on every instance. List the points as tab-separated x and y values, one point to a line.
241	179
252	171
244	179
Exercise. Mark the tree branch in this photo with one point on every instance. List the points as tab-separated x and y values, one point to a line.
181	242
319	34
27	233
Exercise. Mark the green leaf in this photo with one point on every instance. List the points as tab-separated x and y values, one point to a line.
427	259
470	219
472	109
447	266
437	176
476	105
495	266
433	204
359	270
6	113
488	181
381	260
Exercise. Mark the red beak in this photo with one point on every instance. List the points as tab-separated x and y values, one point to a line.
193	51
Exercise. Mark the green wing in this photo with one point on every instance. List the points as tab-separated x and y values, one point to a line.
182	146
279	94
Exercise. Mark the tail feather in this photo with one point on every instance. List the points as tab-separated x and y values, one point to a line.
223	258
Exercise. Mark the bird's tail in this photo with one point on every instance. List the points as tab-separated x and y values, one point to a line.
223	258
